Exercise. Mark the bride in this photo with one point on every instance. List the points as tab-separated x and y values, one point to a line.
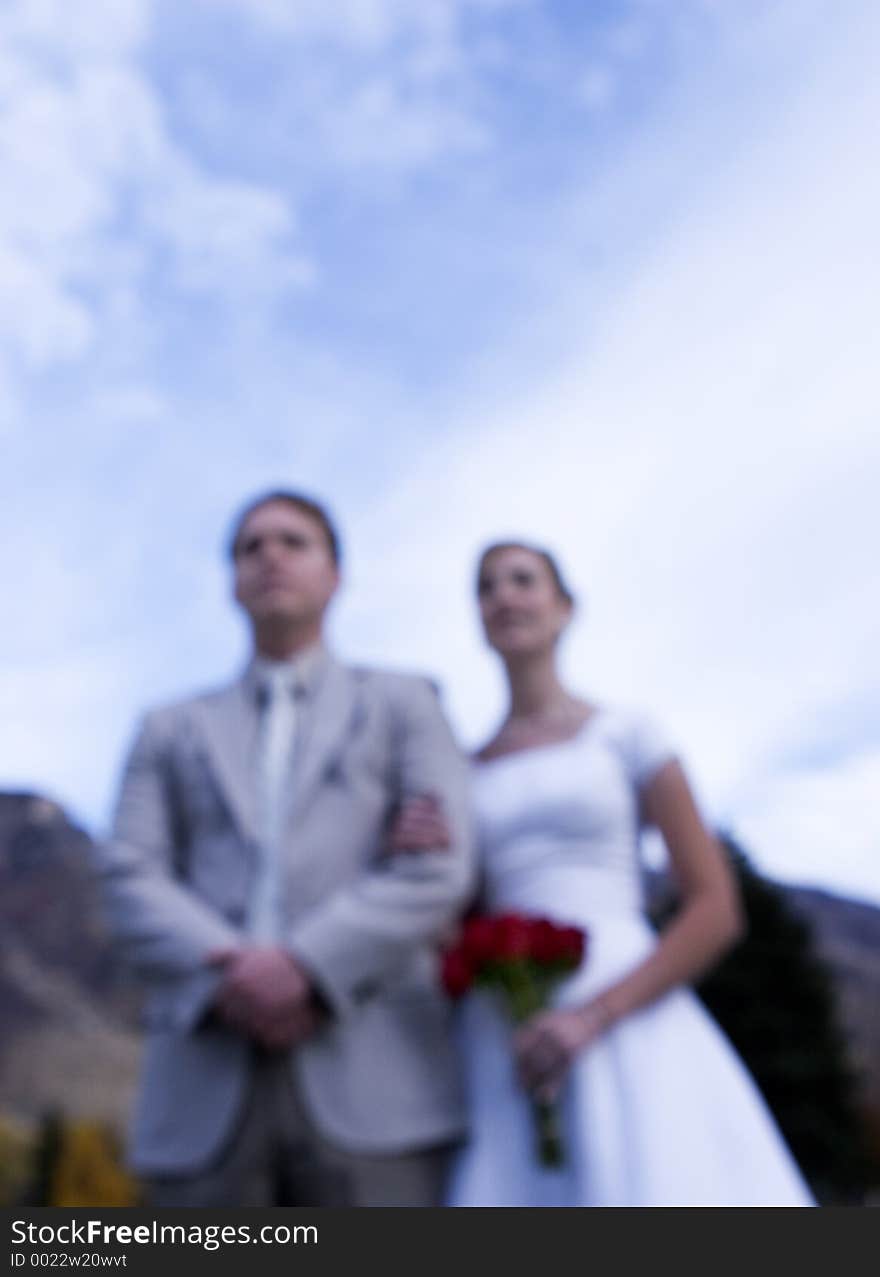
657	1108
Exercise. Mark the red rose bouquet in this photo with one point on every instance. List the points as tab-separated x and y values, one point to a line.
522	958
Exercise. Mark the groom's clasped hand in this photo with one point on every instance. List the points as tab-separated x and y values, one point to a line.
264	994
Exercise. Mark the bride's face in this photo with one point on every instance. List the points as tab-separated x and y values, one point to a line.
521	607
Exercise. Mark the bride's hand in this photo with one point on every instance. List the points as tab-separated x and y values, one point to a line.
548	1043
419	826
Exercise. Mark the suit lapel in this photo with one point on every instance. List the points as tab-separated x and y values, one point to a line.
229	732
329	718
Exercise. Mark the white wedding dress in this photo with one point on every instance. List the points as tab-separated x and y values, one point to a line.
660	1111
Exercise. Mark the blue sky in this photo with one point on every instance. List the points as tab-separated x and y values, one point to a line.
603	275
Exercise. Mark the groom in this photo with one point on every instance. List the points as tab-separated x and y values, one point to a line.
298	1048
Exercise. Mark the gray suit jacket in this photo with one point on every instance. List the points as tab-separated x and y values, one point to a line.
177	871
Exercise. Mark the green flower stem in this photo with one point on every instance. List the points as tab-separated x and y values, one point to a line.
526	994
548	1134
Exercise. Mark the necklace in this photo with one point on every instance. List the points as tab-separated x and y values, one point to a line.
561	715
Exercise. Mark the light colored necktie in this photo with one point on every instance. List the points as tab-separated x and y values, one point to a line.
274	759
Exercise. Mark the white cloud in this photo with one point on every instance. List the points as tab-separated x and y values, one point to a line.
96	188
702	457
73	708
224	233
56	31
380	86
596	88
39	322
369	26
378	126
629	37
819	826
707	466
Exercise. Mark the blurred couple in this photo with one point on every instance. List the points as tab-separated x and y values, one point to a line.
290	852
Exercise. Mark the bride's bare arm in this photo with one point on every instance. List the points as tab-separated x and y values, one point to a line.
419	825
710	919
708	923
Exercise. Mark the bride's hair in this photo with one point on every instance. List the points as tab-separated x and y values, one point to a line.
544	555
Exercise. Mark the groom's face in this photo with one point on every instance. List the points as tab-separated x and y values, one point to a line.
284	568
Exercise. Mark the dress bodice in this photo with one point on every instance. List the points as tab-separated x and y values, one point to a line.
558	825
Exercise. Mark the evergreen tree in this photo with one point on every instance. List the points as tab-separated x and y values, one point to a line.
48	1146
78	1162
773	995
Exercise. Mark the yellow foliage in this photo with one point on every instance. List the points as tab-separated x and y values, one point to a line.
88	1170
16	1159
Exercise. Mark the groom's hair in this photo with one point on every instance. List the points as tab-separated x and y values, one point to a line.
299	501
545	556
